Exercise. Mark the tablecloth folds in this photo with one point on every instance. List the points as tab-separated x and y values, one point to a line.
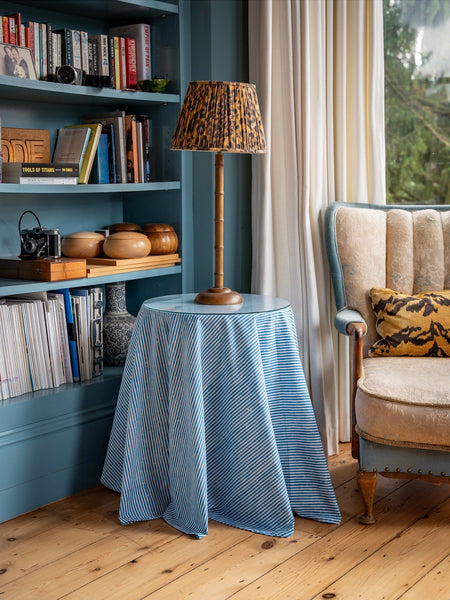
214	421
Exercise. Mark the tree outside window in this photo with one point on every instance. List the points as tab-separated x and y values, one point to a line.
417	100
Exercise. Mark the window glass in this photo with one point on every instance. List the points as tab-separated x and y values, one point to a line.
417	100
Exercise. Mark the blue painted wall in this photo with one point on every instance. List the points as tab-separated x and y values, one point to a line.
219	51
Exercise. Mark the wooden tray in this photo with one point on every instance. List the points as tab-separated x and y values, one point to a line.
134	262
102	269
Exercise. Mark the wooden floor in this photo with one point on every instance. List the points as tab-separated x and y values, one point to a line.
76	549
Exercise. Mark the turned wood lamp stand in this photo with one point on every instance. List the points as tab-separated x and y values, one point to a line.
219	116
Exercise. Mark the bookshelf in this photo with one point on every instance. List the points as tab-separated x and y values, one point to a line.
53	441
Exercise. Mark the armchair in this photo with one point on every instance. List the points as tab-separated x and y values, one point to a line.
401	385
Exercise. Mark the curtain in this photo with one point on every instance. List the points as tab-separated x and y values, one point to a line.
319	73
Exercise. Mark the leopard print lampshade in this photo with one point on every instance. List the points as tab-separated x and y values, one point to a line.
220	116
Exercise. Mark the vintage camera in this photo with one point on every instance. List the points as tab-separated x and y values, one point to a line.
70	75
39	242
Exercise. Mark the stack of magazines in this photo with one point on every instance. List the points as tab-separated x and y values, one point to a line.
48	339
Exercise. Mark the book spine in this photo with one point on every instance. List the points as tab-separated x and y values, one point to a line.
97	330
131	145
5	29
28	33
103	58
146	144
111	154
50	62
123	64
117	62
140	151
112	70
12	30
84	52
131	73
76	48
101	163
95	57
43	49
56	48
23	36
37	53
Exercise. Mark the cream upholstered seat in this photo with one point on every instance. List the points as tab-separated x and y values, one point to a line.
400	404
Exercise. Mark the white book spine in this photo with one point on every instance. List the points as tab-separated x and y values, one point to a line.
84	51
76	48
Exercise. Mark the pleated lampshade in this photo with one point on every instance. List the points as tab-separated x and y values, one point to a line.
220	116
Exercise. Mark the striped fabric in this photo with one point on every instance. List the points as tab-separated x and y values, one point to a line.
214	421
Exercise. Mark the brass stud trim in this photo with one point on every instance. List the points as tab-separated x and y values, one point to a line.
386	469
419	471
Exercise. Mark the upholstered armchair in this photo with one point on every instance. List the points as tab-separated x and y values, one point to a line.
384	262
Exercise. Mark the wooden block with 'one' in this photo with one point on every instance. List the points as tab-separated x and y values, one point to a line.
25	145
43	269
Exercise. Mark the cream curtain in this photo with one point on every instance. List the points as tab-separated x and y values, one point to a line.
318	69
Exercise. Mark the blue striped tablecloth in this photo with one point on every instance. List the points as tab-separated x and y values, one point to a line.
214	420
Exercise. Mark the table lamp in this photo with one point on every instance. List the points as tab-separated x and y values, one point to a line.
219	116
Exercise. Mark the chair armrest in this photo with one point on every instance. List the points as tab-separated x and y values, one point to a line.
347	320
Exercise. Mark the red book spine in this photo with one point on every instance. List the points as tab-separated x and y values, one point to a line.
17	18
5	27
130	55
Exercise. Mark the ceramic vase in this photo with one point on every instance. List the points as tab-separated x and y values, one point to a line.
118	325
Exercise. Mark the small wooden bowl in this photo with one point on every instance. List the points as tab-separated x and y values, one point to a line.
115	227
163	238
127	244
82	244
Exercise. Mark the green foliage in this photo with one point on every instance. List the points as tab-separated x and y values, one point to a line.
417	111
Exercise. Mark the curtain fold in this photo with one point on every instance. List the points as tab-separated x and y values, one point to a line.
318	70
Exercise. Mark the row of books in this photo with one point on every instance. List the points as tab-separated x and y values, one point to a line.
48	339
108	147
119	59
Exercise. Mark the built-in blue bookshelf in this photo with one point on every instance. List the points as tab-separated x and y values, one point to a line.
52	442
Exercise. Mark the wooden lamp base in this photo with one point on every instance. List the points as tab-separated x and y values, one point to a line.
218	296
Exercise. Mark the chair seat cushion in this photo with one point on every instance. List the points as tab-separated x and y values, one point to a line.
405	401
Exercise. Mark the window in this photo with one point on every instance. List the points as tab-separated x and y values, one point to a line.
417	100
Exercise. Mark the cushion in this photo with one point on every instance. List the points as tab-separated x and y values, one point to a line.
405	401
416	325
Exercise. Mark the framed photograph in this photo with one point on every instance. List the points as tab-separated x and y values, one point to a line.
16	61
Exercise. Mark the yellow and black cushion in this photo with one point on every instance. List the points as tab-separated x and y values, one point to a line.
411	325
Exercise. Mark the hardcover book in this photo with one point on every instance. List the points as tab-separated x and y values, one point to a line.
141	33
88	161
116	118
44	172
71	145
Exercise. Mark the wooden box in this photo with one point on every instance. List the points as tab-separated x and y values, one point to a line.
44	269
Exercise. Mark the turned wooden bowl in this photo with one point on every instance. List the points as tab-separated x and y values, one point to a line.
82	244
115	227
127	244
163	238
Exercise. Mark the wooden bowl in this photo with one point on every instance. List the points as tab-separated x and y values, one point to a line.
163	238
115	227
82	244
127	244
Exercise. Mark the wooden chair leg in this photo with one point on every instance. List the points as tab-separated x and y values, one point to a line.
367	482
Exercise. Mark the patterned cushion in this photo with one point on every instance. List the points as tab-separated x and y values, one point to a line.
416	325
